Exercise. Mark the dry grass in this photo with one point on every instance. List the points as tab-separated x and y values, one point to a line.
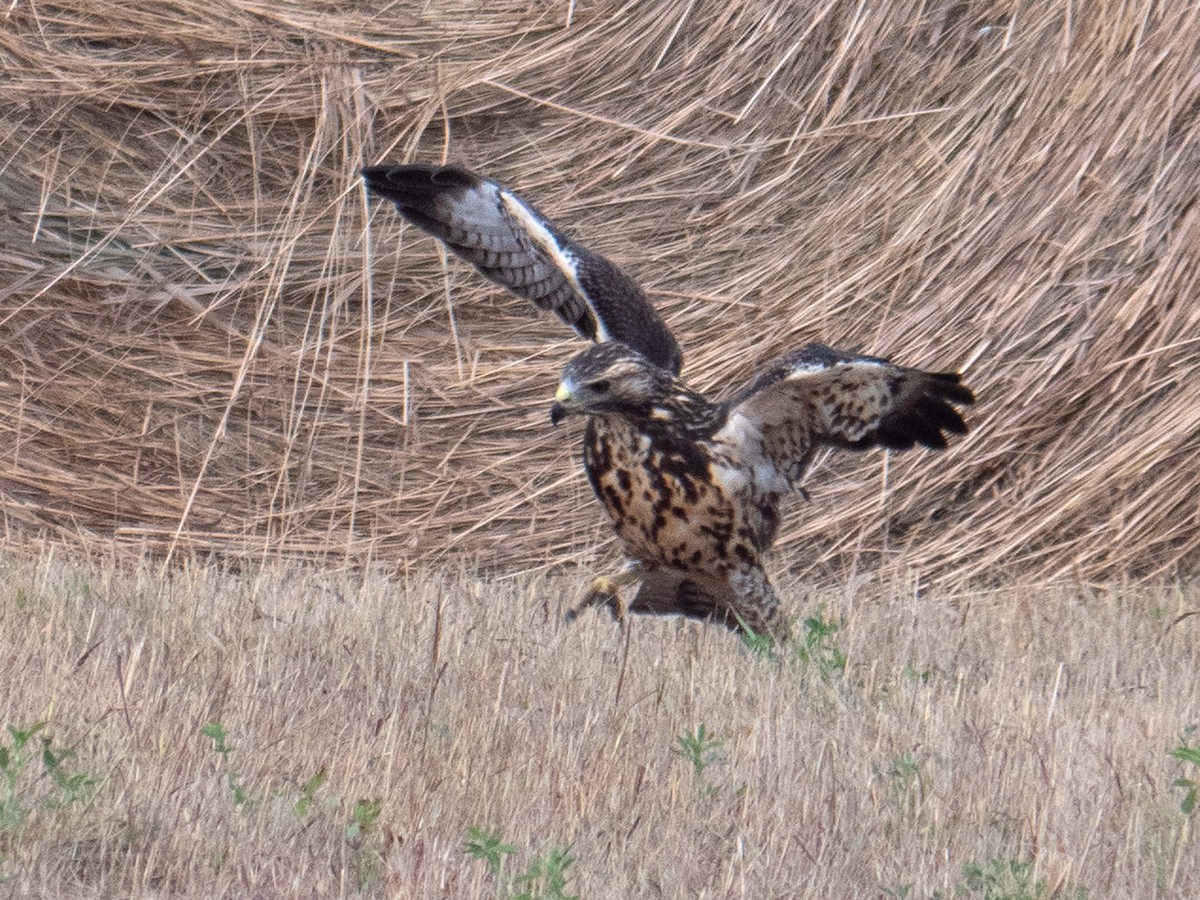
1029	725
212	340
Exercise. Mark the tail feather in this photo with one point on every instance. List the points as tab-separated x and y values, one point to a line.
668	592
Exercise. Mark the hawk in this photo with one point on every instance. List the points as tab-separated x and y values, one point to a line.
693	486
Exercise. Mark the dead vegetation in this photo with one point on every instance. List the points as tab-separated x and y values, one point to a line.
211	340
1023	735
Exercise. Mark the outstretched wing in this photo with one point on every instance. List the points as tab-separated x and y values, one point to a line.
511	243
818	396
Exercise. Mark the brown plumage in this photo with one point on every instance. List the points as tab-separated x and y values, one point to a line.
693	487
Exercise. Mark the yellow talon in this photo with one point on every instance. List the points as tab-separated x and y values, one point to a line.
605	590
604	585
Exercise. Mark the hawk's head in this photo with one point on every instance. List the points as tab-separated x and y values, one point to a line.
610	379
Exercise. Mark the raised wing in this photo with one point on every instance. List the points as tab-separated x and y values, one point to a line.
511	243
818	396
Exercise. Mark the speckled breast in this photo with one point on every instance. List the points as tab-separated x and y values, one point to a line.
661	495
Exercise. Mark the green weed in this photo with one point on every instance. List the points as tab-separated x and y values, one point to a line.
16	762
922	676
72	788
1002	879
702	749
545	878
487	846
1188	753
816	649
904	779
1009	879
12	762
362	818
366	858
217	732
761	644
813	650
308	794
996	879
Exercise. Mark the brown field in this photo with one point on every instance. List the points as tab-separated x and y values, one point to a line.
1028	726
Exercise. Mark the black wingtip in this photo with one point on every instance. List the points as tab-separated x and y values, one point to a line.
401	183
375	174
931	417
949	386
893	438
378	178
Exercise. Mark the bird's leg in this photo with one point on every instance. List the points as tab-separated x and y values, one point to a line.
606	591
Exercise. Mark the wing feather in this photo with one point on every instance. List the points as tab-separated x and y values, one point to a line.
818	396
514	245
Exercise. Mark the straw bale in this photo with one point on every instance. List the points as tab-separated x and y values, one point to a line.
213	341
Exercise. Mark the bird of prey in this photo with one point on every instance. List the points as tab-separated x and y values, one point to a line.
693	487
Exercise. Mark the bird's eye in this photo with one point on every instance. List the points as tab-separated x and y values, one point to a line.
600	387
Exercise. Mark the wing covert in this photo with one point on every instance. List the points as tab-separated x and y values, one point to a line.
514	245
820	397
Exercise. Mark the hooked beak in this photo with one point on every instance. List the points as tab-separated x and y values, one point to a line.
558	409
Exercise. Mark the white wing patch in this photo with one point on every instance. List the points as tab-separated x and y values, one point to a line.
564	260
741	439
740	430
801	369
